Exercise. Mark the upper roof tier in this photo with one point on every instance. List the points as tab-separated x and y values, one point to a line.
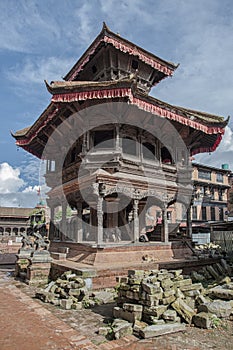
111	57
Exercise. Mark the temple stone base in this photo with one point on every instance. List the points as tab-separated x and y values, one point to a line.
125	255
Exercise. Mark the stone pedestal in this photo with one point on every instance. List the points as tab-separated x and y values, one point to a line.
38	270
23	262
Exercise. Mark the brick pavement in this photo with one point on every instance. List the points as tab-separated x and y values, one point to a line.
26	325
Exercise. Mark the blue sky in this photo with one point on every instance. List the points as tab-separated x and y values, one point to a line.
43	39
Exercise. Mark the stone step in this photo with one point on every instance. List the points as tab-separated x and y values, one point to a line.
157	330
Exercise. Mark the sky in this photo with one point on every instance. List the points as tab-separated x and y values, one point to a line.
43	39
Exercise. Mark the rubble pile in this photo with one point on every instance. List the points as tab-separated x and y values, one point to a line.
208	250
70	292
157	302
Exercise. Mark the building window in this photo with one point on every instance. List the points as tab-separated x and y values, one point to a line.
134	64
219	177
203	213
221	216
103	139
220	194
148	150
166	156
169	216
194	213
129	146
204	174
212	213
212	193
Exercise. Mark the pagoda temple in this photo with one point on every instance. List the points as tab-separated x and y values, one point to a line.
115	154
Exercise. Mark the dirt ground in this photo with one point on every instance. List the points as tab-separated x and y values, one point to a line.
88	322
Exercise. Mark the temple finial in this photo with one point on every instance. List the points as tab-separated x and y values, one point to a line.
105	27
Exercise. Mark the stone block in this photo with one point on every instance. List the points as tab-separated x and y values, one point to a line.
120	279
153	272
41	256
176	273
201	299
212	272
134	280
192	293
164	275
183	309
151	288
167	284
202	320
136	273
139	325
121	328
221	293
68	275
135	288
193	286
77	306
49	286
182	283
129	316
153	297
124	286
151	303
66	303
132	307
151	279
219	308
157	330
156	311
130	294
104	297
179	294
169	315
168	300
226	280
104	331
225	266
58	256
197	277
168	293
74	292
220	269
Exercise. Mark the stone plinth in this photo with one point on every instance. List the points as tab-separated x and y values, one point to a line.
38	270
23	262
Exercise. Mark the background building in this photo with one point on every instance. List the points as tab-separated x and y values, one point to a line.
211	186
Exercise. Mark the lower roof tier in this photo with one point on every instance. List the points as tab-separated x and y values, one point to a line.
201	132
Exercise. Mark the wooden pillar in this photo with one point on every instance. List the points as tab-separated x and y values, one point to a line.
142	215
112	212
100	220
79	234
189	223
51	225
165	233
93	223
63	221
136	220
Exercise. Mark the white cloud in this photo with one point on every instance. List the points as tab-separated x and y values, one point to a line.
37	70
10	180
31	189
20	21
222	155
15	192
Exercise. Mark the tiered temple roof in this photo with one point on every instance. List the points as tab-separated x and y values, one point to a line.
114	69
